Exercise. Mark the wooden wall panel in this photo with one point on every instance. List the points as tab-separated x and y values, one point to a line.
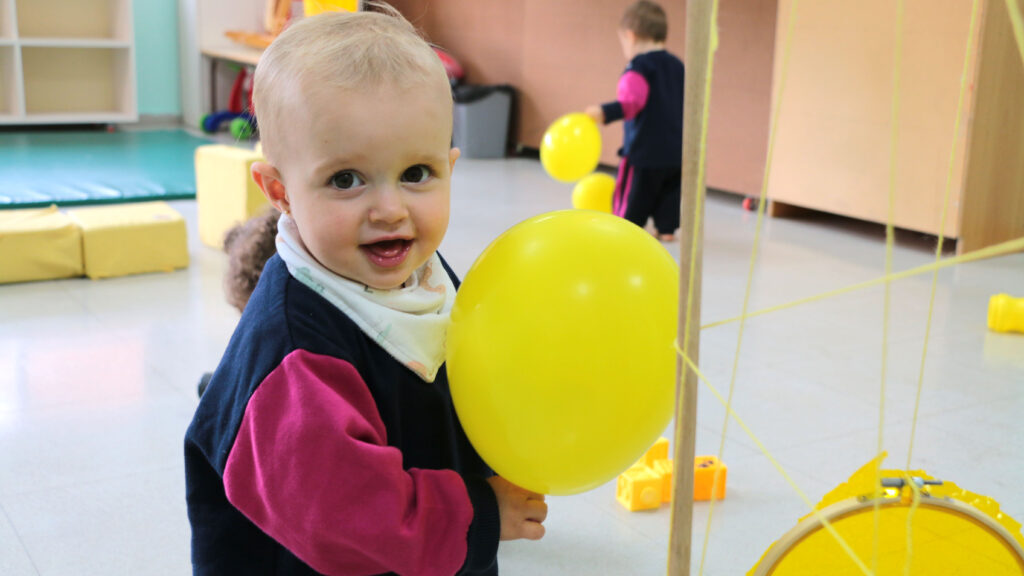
993	207
832	149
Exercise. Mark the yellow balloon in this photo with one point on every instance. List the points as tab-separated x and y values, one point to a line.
594	193
571	147
560	350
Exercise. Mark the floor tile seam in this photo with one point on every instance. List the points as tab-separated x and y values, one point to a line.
21	541
93	479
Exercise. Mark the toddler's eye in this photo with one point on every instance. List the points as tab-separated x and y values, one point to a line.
416	174
345	180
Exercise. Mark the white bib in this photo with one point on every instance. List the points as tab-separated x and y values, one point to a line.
410	322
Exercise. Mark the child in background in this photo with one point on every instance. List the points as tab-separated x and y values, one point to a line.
249	245
326	441
650	100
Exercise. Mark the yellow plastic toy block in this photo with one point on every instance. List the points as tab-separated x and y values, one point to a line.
648	483
39	244
639	488
704	484
659	451
663	468
131	239
225	191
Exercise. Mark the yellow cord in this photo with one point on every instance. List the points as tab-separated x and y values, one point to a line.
1010	246
750	271
942	225
894	121
785	475
886	279
916	490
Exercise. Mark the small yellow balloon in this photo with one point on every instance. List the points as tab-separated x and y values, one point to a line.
594	193
571	147
560	351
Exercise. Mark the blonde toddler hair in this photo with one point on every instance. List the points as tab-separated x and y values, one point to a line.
346	50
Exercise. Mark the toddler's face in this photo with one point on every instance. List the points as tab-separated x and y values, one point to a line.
368	177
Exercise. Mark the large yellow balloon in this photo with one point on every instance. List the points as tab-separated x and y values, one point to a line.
594	193
571	147
560	351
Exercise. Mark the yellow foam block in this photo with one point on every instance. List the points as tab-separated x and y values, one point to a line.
639	488
38	244
131	239
225	191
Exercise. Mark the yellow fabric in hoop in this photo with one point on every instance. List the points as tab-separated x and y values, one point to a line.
964	539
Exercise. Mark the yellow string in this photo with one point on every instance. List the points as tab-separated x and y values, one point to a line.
991	251
1010	246
771	458
750	271
916	491
942	225
894	117
1017	22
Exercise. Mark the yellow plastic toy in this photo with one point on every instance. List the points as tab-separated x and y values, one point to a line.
705	483
314	7
648	483
951	531
560	350
594	192
1006	313
571	147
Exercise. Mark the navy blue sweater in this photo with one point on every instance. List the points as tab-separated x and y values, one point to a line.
314	451
653	138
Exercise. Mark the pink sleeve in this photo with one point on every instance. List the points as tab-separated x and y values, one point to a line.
311	467
632	93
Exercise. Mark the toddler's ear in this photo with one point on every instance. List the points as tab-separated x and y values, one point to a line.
269	180
453	155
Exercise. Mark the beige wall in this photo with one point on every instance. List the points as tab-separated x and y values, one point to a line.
562	55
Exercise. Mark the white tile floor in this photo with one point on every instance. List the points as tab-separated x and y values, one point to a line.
97	385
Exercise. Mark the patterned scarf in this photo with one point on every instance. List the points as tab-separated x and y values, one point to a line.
409	322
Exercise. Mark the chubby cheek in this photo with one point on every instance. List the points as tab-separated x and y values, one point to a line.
434	225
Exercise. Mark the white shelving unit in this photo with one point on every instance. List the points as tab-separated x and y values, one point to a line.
67	62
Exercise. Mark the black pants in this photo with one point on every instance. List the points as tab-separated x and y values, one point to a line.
642	193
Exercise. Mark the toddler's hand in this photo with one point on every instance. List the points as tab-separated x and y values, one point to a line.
596	113
522	512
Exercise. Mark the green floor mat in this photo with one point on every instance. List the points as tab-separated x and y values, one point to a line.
75	168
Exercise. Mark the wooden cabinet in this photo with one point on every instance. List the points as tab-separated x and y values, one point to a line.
832	149
66	62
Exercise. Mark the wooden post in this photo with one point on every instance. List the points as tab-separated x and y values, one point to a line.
699	15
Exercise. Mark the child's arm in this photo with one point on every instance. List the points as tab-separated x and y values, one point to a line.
630	99
311	467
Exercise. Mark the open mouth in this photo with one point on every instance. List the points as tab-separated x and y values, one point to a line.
387	253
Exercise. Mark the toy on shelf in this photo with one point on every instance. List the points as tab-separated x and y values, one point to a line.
648	483
277	14
241	123
1006	313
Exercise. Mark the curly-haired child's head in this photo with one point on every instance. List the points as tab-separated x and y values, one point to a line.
249	245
